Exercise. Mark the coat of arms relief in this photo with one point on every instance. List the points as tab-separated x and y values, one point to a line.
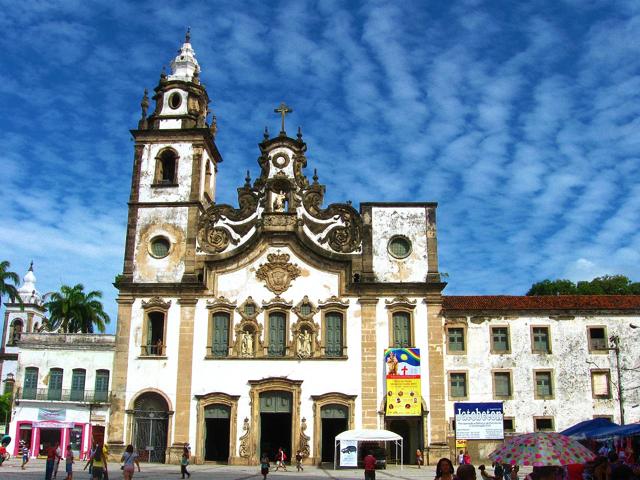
278	273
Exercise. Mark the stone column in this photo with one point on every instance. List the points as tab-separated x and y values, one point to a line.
115	434
438	420
369	357
183	379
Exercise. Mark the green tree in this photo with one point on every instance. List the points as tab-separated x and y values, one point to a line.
605	285
553	287
6	280
73	310
5	407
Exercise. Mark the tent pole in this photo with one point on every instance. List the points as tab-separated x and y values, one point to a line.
335	453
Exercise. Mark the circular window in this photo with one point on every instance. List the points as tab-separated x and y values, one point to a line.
281	160
399	247
175	100
159	247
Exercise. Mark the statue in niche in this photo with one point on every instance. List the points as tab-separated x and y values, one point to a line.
246	344
279	201
304	344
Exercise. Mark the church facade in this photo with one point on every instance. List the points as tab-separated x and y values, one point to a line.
245	329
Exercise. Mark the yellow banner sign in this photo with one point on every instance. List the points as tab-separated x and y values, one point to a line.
403	396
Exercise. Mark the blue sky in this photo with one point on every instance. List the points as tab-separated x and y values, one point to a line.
520	118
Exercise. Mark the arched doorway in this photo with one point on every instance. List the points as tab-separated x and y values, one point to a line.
150	426
217	428
334	420
411	431
275	423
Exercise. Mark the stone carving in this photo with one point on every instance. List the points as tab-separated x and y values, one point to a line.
400	301
305	309
221	302
156	302
246	344
278	273
333	302
270	220
279	201
243	451
303	345
304	439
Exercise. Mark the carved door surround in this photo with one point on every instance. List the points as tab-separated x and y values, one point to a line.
331	398
213	398
265	385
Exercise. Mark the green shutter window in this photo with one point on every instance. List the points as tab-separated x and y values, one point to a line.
502	382
500	338
456	339
541	340
30	383
102	385
543	384
55	384
78	378
458	387
333	334
220	346
401	330
277	323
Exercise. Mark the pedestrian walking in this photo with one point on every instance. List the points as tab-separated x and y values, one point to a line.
51	460
299	461
69	463
184	461
419	458
24	451
57	462
461	458
98	463
264	466
280	459
370	467
129	461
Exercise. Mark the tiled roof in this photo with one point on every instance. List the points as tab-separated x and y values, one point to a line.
550	302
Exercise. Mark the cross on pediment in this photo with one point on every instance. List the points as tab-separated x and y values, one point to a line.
283	110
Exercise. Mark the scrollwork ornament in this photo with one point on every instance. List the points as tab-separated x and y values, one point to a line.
243	450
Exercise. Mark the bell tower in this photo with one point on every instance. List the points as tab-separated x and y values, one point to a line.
174	175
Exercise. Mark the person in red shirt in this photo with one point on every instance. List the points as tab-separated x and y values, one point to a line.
370	467
51	460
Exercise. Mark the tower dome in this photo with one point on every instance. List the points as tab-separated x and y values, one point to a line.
27	290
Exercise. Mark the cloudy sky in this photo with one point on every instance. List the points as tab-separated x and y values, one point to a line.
520	118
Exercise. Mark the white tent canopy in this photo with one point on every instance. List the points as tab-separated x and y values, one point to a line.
369	435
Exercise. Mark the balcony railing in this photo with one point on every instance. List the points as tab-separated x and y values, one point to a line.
63	395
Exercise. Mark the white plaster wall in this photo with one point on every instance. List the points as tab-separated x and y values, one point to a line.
203	169
410	222
147	193
288	170
67	359
569	359
170	222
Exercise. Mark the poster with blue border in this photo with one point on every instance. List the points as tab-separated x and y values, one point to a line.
479	421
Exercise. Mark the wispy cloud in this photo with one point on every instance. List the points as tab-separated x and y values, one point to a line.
521	122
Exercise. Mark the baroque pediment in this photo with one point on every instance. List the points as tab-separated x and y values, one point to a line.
281	199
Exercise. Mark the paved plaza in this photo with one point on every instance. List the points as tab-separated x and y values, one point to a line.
35	470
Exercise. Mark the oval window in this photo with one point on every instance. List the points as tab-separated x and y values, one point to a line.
399	247
175	100
159	247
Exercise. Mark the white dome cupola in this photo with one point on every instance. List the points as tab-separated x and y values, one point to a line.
184	66
27	290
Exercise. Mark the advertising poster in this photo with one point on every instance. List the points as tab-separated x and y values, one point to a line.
403	381
348	453
479	421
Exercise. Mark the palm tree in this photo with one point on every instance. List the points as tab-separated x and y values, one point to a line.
71	310
5	287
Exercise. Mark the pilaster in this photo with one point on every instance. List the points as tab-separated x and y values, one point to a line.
369	373
183	379
115	434
437	415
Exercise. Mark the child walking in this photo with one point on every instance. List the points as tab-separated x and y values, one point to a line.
264	466
69	463
24	451
299	461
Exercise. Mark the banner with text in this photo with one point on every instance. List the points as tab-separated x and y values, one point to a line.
348	453
403	381
479	421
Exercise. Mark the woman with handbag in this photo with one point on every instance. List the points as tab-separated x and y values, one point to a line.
129	461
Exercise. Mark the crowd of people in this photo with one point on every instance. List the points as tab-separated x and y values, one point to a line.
609	464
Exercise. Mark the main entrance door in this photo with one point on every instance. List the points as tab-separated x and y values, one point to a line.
334	420
217	426
275	423
150	425
410	429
